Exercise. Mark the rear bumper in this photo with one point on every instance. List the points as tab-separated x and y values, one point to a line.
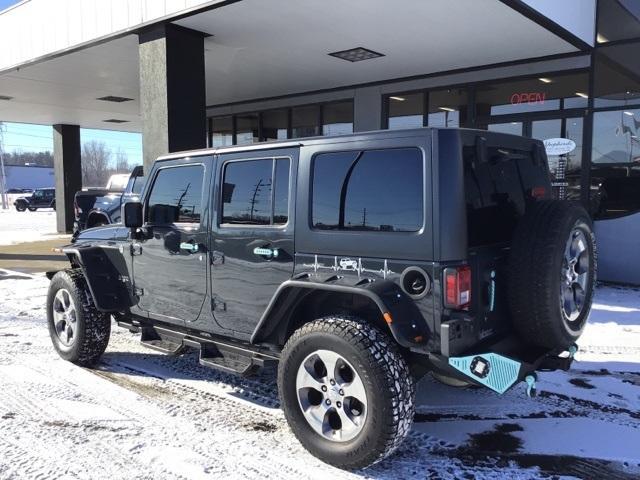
501	364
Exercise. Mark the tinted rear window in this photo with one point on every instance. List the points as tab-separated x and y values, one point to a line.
497	191
371	190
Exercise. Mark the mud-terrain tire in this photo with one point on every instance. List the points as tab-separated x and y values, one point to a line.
90	329
373	360
32	209
552	273
21	207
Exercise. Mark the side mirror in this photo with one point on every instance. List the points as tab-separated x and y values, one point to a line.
132	214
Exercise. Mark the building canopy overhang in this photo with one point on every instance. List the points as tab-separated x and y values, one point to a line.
256	50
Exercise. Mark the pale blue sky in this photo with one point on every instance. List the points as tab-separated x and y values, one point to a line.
37	138
7	3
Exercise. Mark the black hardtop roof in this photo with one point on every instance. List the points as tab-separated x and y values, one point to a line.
355	137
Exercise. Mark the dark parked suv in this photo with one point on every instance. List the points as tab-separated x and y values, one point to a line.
40	198
358	263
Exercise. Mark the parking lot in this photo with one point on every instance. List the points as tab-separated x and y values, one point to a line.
141	414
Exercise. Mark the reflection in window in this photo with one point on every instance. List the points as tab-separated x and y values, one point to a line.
176	195
376	190
275	124
532	95
615	174
247	129
405	110
221	131
337	118
618	20
512	128
615	75
305	121
247	197
448	108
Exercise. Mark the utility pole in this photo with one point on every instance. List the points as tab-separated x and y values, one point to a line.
3	176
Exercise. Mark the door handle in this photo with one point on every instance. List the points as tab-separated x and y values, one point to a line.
189	247
266	252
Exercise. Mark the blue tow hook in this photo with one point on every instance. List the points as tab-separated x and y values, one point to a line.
573	349
531	385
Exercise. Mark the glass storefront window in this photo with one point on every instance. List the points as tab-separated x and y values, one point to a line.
337	118
305	121
533	95
405	110
616	81
247	129
448	108
221	131
275	124
615	168
513	128
618	20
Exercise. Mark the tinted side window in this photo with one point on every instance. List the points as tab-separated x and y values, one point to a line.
250	196
176	195
138	183
375	190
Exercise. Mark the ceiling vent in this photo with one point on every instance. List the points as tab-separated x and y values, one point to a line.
115	120
357	54
113	98
5	97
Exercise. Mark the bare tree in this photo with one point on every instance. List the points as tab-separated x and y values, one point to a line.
122	161
95	164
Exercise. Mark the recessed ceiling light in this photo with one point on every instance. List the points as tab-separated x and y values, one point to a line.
115	99
447	109
583	95
601	38
5	97
545	80
399	99
356	54
115	120
628	113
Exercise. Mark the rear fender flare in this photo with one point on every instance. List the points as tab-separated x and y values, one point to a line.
405	322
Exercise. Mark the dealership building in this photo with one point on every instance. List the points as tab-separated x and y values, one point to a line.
189	74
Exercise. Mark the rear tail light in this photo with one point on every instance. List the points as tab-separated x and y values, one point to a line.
457	287
538	192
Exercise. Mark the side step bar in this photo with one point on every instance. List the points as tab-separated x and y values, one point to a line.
216	354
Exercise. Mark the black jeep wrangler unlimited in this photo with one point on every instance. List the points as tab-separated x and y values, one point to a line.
359	263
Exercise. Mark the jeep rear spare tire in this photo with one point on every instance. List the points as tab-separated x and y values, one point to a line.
346	391
552	272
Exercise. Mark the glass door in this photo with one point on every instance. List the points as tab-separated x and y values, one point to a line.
565	168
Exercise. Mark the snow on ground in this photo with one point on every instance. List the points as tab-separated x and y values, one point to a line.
141	414
19	227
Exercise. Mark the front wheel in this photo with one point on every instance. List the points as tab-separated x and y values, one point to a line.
20	207
32	209
346	391
79	331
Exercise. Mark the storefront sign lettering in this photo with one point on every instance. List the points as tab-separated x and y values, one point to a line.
531	98
559	146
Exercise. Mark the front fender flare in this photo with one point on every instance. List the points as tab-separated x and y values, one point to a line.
106	274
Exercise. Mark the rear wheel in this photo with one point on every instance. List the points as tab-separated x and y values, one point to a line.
79	331
346	391
552	270
32	209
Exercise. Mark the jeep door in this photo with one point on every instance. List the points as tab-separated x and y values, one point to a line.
253	247
170	255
